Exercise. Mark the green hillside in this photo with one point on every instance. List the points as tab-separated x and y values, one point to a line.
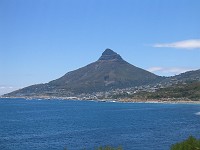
187	90
184	91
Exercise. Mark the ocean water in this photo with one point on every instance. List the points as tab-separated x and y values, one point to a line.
78	125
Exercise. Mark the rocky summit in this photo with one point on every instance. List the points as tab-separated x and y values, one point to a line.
109	55
109	72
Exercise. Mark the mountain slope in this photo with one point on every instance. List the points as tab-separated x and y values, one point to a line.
188	76
110	71
182	78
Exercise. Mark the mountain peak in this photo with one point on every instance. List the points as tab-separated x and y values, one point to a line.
109	54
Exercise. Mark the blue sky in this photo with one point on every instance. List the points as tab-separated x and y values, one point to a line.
41	40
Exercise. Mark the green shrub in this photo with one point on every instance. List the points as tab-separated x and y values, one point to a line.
108	148
190	144
105	148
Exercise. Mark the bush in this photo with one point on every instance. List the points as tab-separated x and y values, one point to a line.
190	144
109	148
105	148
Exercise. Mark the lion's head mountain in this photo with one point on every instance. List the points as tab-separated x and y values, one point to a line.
109	72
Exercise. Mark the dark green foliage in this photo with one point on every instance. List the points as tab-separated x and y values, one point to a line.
105	148
190	144
109	148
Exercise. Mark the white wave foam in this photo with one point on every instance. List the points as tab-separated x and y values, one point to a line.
197	113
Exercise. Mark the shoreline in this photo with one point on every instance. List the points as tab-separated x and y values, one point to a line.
160	101
124	100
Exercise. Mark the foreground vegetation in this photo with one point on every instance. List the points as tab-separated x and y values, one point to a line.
109	148
106	148
190	144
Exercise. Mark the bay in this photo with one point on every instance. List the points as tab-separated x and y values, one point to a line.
76	125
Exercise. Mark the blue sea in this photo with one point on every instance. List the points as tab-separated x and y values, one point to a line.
77	125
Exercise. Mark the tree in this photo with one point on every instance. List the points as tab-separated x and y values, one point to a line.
190	144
